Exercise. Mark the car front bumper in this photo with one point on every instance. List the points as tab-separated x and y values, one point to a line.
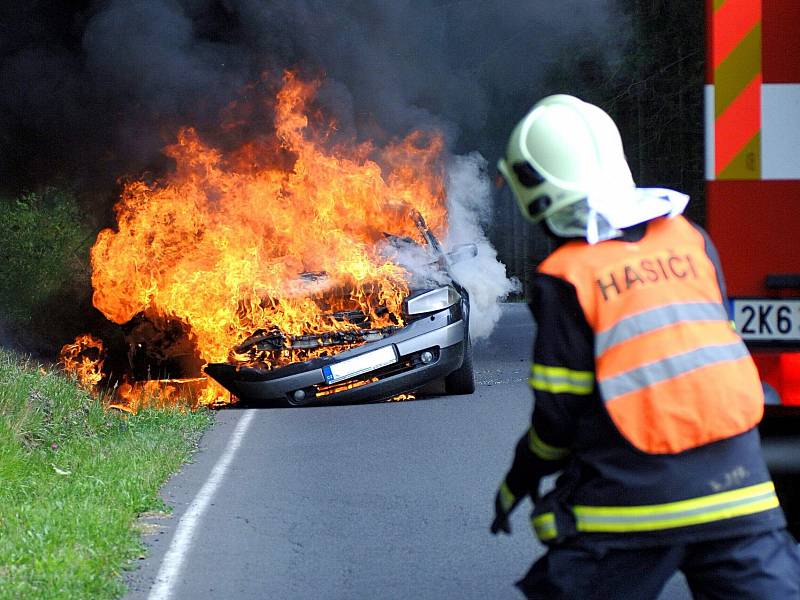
441	334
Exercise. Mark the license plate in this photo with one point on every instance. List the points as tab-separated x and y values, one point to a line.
360	364
763	319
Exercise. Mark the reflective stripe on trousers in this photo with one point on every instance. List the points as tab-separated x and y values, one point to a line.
695	511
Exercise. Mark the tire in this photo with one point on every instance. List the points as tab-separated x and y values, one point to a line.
462	380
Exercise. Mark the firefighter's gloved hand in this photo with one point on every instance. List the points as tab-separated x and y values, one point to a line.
504	504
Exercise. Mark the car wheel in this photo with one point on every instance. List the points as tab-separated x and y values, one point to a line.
462	380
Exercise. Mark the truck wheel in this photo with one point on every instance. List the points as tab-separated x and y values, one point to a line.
462	380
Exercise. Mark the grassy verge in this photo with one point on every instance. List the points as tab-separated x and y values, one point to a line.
73	479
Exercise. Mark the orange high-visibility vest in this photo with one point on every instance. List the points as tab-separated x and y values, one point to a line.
671	371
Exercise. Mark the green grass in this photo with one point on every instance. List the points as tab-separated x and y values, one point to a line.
73	479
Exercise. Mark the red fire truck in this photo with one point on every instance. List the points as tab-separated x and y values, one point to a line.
753	204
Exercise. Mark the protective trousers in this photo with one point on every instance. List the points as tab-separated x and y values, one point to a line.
756	567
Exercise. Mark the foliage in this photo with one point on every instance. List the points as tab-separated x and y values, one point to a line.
44	245
650	80
658	96
74	478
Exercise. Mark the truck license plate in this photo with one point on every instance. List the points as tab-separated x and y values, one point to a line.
767	319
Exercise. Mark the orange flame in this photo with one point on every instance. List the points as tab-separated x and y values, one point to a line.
84	358
230	244
162	393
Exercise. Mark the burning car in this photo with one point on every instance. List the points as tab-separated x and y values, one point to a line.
294	267
433	344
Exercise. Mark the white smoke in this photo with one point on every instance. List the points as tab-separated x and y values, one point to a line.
469	204
469	212
424	267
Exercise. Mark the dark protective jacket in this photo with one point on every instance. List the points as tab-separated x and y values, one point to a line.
645	398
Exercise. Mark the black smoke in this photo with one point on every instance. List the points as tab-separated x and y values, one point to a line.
92	90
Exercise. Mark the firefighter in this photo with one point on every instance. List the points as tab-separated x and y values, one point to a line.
646	399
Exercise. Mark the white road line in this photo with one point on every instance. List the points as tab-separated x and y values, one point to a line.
176	553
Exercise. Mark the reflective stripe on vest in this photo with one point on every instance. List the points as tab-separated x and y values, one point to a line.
657	517
658	317
668	368
671	372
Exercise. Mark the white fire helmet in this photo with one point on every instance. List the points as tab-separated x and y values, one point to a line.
565	165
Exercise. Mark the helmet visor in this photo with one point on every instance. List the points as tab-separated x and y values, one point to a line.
526	174
526	184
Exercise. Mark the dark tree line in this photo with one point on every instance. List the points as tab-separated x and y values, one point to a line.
653	88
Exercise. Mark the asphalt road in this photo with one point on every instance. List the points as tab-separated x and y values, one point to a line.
388	500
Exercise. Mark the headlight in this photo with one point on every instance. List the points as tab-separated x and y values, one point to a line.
437	299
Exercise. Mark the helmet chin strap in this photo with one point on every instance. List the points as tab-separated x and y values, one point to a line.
592	234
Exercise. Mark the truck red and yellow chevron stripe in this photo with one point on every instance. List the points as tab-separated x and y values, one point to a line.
736	58
753	90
